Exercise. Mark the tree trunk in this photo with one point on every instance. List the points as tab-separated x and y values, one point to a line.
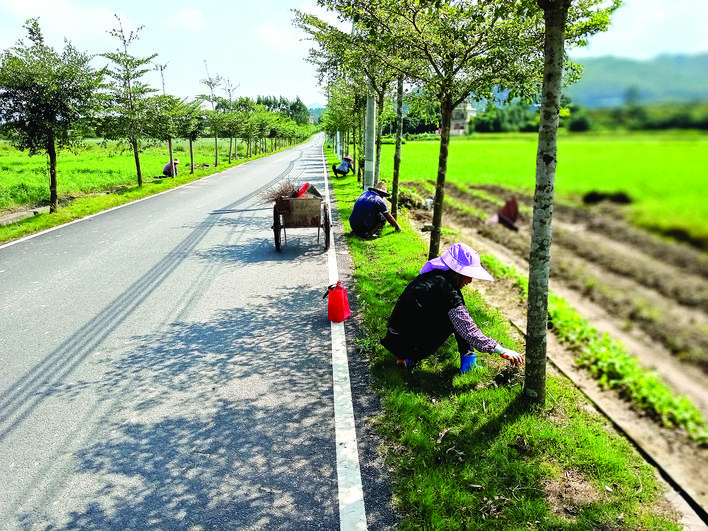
445	121
191	155
555	14
357	149
136	156
53	195
397	156
172	158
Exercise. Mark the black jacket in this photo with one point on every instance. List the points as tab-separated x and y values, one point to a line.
419	323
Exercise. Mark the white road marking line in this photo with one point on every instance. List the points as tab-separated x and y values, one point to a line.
352	513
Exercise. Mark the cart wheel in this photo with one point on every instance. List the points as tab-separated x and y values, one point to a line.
327	225
277	228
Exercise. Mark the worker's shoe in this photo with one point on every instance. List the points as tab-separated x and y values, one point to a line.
468	362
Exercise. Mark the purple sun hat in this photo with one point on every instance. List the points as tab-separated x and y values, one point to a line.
462	259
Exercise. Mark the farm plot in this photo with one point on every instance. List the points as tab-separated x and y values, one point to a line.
646	292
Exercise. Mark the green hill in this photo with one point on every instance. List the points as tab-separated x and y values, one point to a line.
606	81
316	111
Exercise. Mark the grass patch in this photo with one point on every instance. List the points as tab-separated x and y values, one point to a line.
466	450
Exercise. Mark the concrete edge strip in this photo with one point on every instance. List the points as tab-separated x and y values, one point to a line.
352	513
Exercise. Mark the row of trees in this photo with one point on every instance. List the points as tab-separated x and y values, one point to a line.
634	116
446	52
51	100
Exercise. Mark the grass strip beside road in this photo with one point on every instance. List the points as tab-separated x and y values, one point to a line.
466	450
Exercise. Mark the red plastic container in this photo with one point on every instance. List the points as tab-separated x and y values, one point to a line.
338	304
302	190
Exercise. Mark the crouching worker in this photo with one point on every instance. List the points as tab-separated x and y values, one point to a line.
432	307
370	213
344	167
170	169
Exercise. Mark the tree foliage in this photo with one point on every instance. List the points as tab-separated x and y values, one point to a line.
213	117
44	95
449	50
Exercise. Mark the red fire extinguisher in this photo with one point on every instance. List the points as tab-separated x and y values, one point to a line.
338	304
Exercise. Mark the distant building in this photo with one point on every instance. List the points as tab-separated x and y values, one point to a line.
461	118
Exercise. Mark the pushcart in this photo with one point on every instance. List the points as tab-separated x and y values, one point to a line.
298	213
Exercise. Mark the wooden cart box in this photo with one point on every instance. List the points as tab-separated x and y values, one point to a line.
302	212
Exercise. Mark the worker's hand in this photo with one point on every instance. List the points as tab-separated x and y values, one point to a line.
514	357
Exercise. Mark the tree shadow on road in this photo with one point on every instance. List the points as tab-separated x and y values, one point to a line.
212	425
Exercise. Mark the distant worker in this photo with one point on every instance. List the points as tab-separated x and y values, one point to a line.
370	213
170	169
507	216
344	166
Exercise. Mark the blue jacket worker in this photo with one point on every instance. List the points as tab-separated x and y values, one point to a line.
370	213
170	169
431	308
344	166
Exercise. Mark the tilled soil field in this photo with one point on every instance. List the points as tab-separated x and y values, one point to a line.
649	293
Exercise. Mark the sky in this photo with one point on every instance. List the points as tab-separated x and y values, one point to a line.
253	44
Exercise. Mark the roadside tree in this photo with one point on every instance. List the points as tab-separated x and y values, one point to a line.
345	113
450	49
162	113
231	120
190	124
213	115
337	56
397	153
560	24
126	114
44	95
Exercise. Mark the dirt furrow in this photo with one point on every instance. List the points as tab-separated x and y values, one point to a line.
607	220
663	301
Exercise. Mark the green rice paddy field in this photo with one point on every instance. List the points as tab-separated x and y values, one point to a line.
665	174
93	167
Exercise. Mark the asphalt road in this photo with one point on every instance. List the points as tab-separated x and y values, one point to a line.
162	367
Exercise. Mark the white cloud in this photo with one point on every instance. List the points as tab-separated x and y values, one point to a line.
61	20
277	38
188	19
